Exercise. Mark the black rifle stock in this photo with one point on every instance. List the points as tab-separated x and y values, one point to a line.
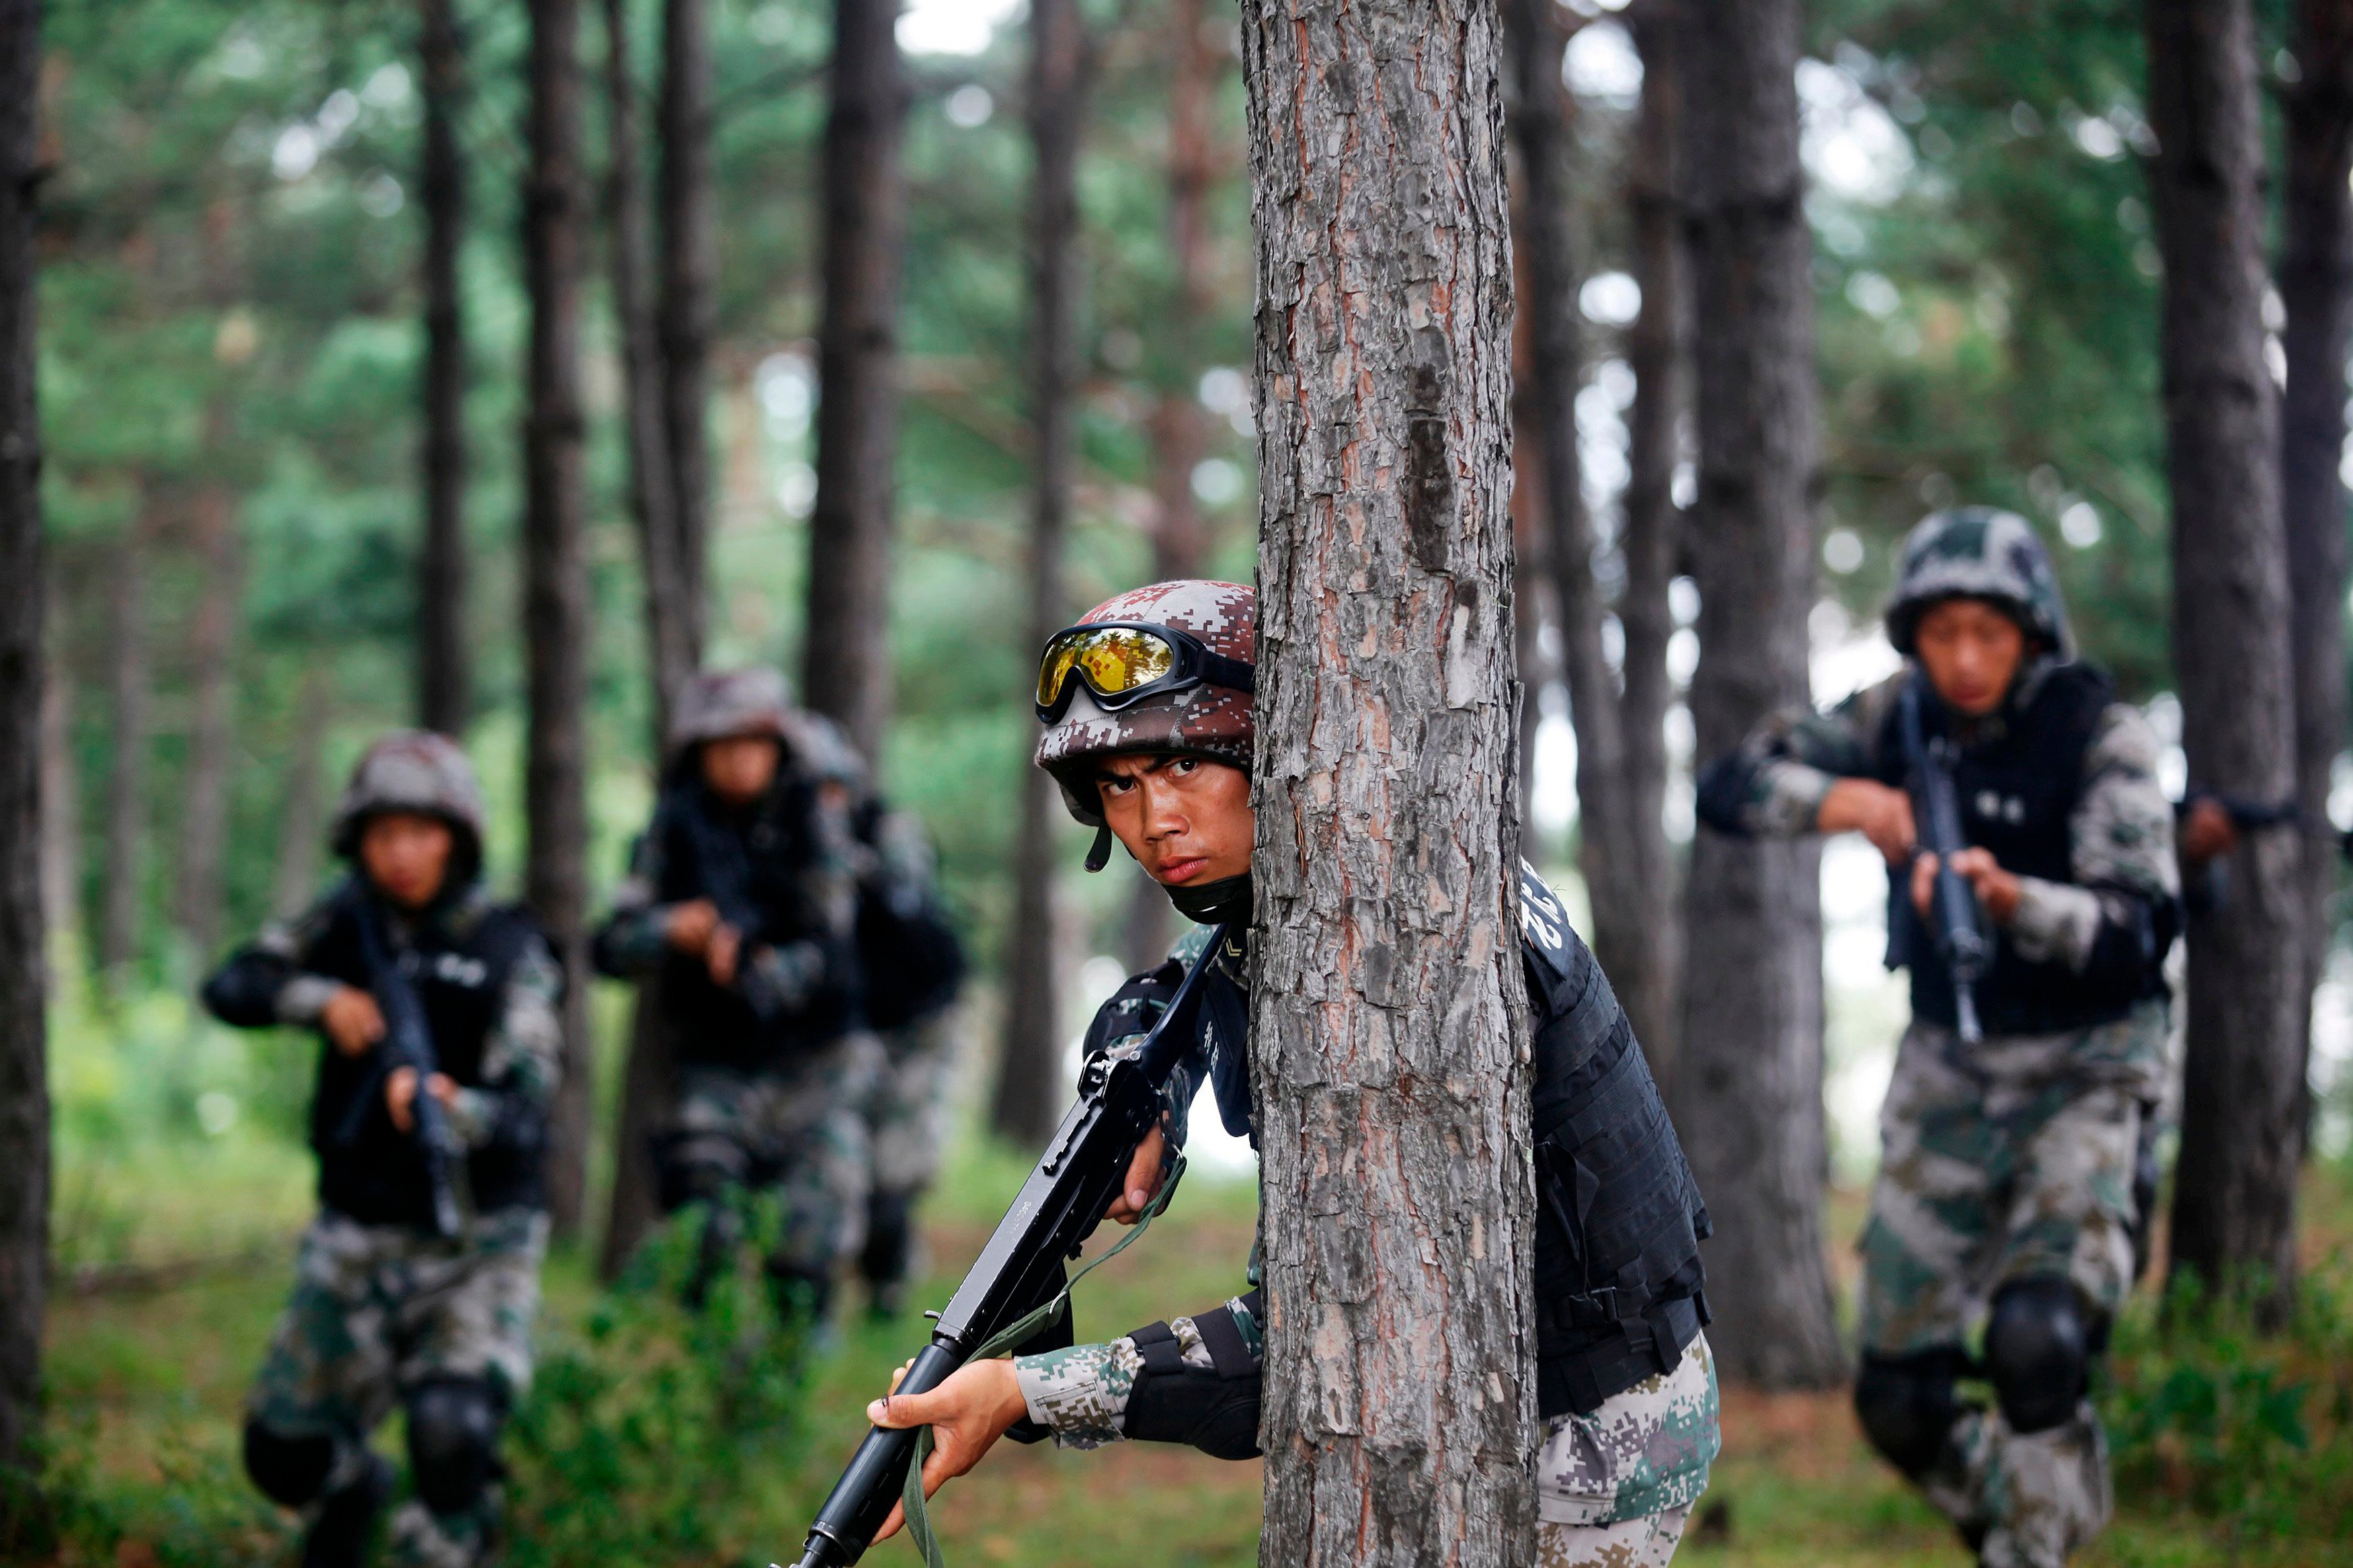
407	1043
1954	906
1079	1175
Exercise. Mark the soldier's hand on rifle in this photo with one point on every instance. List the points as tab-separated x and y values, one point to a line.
1143	1176
1879	813
1996	888
967	1414
690	926
352	1020
726	945
400	1095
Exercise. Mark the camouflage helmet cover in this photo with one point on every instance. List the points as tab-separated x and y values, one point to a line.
1978	552
721	704
1205	721
411	770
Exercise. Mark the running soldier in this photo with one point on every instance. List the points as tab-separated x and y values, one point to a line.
386	1311
1148	730
741	907
2006	1198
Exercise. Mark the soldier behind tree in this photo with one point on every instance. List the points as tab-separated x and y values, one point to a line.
385	1312
741	904
2006	1198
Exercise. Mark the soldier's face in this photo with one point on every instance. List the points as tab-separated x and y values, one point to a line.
740	768
1187	820
1971	651
406	855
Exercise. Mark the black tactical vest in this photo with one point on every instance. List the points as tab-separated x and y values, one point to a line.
461	976
2017	791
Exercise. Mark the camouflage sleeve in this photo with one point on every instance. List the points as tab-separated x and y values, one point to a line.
1081	1394
2121	849
523	1058
265	983
634	937
1772	785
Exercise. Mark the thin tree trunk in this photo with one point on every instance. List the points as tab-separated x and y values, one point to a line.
212	647
555	572
1388	1019
646	1086
689	287
132	683
1750	1078
61	806
444	695
2315	284
2234	1188
24	1087
301	817
847	658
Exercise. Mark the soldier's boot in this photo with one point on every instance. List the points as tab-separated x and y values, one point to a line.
340	1533
423	1539
890	1244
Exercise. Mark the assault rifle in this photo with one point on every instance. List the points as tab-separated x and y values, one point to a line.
1937	814
1078	1177
724	873
407	1043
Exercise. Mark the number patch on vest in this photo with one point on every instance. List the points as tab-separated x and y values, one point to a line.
1542	920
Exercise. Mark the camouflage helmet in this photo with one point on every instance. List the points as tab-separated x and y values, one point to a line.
823	752
721	704
1978	552
411	769
1205	721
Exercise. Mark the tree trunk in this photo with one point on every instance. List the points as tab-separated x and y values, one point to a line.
1388	1016
24	1088
2315	284
301	817
846	662
133	721
61	806
1750	1078
690	286
1029	1070
2234	1187
212	647
555	573
443	688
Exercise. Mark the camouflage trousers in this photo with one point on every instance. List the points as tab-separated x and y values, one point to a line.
379	1311
906	1116
1615	1486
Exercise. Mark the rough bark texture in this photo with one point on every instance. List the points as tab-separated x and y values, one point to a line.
1749	1081
1029	1069
24	1087
130	683
212	646
2315	284
2234	1187
555	571
443	688
689	287
846	663
1389	1018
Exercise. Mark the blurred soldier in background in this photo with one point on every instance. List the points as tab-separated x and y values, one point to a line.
742	898
386	1309
2014	1174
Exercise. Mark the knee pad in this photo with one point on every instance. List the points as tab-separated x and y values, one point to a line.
453	1434
291	1471
2040	1343
1908	1405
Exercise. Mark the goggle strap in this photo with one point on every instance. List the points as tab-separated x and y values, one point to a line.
1100	855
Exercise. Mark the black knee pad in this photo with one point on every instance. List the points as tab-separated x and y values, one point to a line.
2040	1343
291	1471
1195	1407
1908	1405
453	1435
888	1230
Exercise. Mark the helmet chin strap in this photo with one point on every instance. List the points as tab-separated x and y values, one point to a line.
1228	898
1100	855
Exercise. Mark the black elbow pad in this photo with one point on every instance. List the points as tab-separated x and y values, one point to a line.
243	992
1721	798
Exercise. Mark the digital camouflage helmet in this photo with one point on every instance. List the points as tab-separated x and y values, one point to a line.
1978	552
416	771
722	704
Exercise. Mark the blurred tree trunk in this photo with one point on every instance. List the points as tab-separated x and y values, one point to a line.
131	685
2234	1187
444	695
1029	1070
846	663
690	285
1389	1018
61	803
24	1087
302	814
2315	284
212	650
1179	428
1749	1081
555	572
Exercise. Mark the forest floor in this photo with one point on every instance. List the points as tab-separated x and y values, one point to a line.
2228	1452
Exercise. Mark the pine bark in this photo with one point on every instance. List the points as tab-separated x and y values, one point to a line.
2315	285
847	662
443	683
24	1088
2234	1186
130	683
689	288
555	571
1389	1018
1029	1068
212	646
1749	1081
